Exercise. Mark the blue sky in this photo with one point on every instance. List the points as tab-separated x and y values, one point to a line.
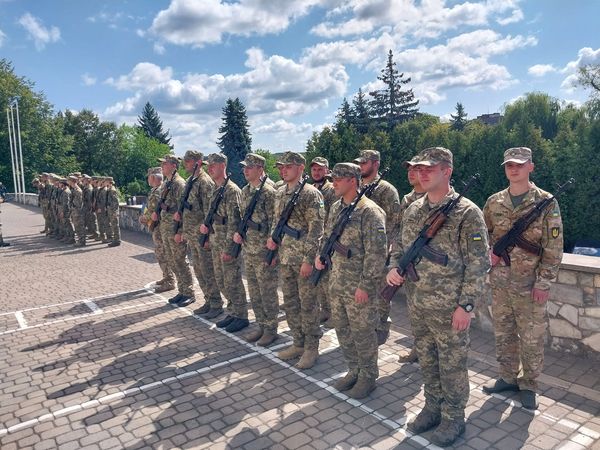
291	62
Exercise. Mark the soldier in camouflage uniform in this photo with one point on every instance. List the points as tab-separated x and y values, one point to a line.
228	270
88	207
64	208
416	193
193	216
442	299
112	211
354	281
320	174
2	197
104	231
386	196
520	290
262	279
52	220
167	282
296	257
44	192
77	213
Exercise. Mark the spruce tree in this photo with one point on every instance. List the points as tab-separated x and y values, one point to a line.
345	115
459	120
235	141
391	105
150	122
362	116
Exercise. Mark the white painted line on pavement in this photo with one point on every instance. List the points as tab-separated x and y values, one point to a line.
93	307
21	320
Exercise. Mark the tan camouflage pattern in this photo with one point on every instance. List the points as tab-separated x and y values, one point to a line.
432	299
329	198
520	323
355	323
159	246
112	209
89	214
78	214
104	229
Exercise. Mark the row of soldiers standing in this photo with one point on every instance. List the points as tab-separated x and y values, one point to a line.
79	206
440	300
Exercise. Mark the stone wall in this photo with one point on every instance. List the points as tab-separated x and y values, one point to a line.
26	199
129	216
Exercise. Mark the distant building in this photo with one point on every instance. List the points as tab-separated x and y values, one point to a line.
490	119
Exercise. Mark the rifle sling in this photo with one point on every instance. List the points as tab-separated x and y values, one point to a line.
528	246
255	226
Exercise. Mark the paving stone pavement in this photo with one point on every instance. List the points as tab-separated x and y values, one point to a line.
91	358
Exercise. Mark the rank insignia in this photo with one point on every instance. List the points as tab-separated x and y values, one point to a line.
476	237
555	232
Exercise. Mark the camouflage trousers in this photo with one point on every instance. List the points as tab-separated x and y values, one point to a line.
161	257
104	225
46	214
202	264
262	287
176	254
113	223
322	290
229	279
78	226
301	306
67	227
91	224
383	311
442	354
355	326
519	328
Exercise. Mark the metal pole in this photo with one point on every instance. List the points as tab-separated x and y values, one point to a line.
12	157
21	154
14	133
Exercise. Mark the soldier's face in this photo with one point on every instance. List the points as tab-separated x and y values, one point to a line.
413	176
432	177
516	172
343	185
367	168
189	165
291	172
168	168
252	173
318	172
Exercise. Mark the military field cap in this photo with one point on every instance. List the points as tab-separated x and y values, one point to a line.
35	181
320	161
252	159
346	170
73	178
154	171
169	159
216	158
86	176
45	174
412	162
435	155
292	158
62	180
108	179
519	155
193	155
368	155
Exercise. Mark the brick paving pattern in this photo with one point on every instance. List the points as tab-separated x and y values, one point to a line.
91	358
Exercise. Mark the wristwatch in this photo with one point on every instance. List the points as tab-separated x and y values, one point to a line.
468	307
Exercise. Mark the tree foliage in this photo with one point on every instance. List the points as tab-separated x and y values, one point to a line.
235	141
150	122
459	120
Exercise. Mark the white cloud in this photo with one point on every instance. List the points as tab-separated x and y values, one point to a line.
88	80
158	48
40	35
283	126
2	38
539	70
143	75
190	22
585	56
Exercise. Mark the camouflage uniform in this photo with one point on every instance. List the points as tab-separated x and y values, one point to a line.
519	322
88	209
77	214
159	246
442	351
227	273
44	193
299	297
101	204
112	211
176	252
262	279
202	261
64	206
355	323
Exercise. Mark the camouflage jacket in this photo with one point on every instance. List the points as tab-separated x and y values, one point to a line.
88	197
329	198
545	231
365	237
387	198
171	202
263	216
463	238
153	199
101	199
112	200
64	202
76	200
227	217
307	217
407	200
199	197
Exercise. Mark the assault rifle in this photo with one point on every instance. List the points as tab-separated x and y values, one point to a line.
333	244
282	227
370	188
212	212
420	247
514	236
184	200
163	196
246	221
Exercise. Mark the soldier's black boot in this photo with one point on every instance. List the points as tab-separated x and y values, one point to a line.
500	386
528	399
2	243
225	322
214	312
186	300
237	325
175	300
203	309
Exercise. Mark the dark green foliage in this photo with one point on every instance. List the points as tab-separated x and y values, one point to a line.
459	121
235	141
150	122
270	161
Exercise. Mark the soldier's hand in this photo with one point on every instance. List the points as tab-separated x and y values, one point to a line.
361	297
237	238
393	278
460	319
305	270
271	245
204	229
177	217
494	260
318	264
540	296
178	238
154	217
226	258
142	220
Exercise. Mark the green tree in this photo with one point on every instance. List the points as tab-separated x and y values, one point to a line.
459	120
589	78
270	161
150	122
535	108
235	141
392	105
360	107
345	115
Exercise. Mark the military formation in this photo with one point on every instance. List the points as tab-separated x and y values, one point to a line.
79	207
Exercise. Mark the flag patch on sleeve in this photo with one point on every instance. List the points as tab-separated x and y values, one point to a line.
476	237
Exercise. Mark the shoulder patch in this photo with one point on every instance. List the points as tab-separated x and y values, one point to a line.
381	230
476	237
555	232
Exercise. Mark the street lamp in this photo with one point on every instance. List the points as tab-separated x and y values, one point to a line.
16	153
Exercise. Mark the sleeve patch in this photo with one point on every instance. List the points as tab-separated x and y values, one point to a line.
555	232
476	237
